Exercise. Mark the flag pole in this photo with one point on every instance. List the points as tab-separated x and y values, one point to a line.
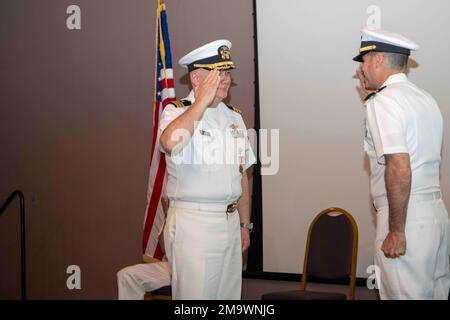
156	60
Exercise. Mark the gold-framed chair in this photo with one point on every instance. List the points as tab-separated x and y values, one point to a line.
331	254
163	293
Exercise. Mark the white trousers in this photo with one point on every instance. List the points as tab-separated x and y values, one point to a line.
134	281
423	272
204	251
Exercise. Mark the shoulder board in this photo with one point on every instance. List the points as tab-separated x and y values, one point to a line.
374	93
180	103
234	109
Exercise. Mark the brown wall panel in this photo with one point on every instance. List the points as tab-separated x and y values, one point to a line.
75	129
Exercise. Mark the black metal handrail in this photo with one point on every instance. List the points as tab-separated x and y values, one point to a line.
23	266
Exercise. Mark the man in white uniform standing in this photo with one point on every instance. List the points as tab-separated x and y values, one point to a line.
207	155
403	142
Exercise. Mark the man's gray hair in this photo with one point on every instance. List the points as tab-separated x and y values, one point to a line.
396	61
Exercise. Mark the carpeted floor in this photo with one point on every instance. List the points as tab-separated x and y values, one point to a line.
253	289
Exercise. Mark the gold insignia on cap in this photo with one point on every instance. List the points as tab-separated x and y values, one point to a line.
224	53
367	48
225	65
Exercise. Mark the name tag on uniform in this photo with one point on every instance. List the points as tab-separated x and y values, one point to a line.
205	133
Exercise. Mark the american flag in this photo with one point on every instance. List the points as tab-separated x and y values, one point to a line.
164	93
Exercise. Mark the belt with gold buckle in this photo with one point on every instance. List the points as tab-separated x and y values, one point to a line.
231	207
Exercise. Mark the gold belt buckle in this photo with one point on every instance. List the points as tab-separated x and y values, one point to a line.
231	207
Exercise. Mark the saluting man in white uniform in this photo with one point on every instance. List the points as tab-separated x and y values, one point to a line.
207	155
403	142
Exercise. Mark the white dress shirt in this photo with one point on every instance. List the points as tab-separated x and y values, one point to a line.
403	118
208	169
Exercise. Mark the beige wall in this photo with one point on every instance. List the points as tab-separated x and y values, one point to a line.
75	129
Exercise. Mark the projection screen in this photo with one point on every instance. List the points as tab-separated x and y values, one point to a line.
308	91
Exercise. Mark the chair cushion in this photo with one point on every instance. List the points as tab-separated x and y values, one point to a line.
163	291
303	295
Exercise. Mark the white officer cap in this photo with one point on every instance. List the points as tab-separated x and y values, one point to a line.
384	41
213	55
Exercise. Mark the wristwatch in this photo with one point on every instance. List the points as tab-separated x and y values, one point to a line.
248	226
